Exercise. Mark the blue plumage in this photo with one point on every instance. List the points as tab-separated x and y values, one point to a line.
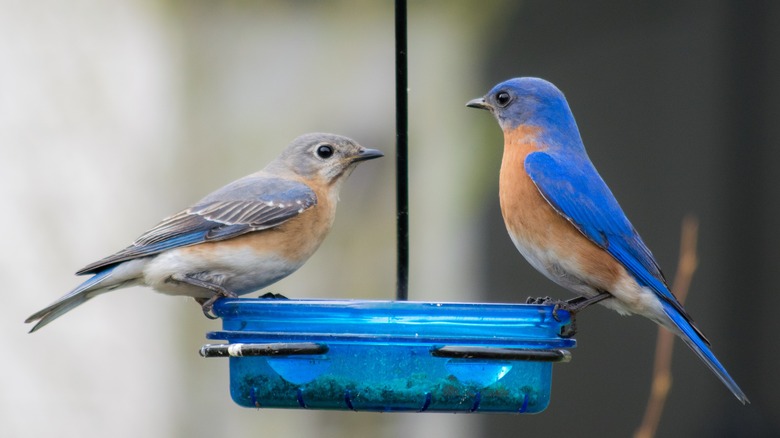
534	114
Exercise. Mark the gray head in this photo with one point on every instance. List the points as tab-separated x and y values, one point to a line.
327	157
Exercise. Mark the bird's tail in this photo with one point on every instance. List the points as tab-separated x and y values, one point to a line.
691	336
95	285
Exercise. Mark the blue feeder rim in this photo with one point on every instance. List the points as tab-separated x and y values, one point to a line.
390	355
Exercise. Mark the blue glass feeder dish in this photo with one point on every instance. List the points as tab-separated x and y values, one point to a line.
387	356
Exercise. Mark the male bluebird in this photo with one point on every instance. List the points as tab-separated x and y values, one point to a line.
565	221
241	238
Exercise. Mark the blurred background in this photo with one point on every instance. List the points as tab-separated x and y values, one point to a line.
114	115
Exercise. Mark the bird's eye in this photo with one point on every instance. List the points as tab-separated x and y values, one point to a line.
325	151
503	98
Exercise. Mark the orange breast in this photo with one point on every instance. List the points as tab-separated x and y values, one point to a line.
294	240
544	234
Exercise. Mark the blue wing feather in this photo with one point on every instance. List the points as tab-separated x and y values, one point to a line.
575	189
577	192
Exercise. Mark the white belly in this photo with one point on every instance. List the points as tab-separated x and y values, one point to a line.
555	267
628	295
240	270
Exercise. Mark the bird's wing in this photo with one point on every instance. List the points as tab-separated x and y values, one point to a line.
252	203
577	192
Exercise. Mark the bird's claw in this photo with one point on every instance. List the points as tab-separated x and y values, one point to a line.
569	330
572	307
540	300
556	308
208	313
207	305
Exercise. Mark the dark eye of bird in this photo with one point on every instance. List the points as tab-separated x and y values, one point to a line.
503	98
325	151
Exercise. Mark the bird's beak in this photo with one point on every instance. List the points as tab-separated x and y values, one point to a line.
479	103
368	154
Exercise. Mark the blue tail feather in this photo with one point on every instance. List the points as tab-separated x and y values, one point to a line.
71	300
691	336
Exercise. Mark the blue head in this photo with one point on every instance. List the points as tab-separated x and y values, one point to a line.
533	102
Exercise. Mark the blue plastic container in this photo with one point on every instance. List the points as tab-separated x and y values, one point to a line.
389	355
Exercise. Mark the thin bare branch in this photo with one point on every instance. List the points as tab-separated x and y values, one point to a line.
662	374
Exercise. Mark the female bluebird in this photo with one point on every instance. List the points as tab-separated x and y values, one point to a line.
564	220
245	236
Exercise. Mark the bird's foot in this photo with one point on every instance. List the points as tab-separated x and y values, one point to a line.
542	300
207	304
570	329
572	307
557	304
